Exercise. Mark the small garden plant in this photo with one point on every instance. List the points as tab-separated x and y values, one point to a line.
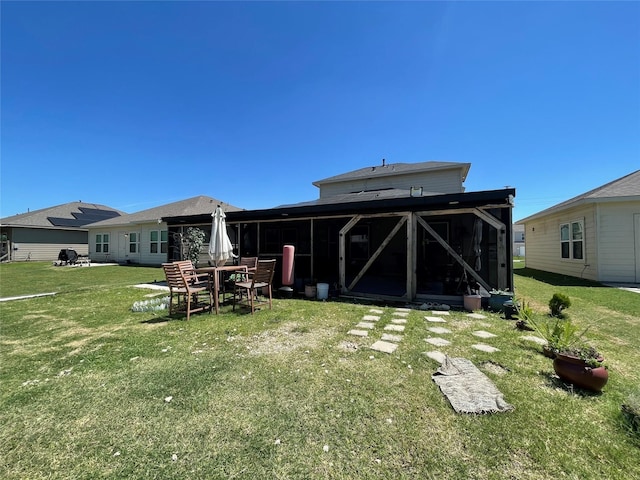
558	303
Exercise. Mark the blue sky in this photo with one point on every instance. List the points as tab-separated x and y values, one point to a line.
138	104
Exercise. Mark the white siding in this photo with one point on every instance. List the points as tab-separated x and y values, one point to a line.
447	181
119	244
617	255
542	241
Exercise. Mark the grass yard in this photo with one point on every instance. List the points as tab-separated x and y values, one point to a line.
90	389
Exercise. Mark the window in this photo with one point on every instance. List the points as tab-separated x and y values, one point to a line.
572	240
158	241
102	243
133	242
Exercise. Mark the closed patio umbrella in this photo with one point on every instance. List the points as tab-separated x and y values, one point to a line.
220	247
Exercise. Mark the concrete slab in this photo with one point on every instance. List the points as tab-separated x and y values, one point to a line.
402	309
440	312
398	321
476	315
389	337
436	355
401	314
534	339
439	330
395	328
483	334
384	347
485	348
437	341
376	310
371	318
367	325
358	333
435	319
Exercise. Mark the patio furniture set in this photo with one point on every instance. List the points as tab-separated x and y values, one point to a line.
199	289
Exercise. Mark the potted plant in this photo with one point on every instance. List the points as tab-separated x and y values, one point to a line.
582	366
498	299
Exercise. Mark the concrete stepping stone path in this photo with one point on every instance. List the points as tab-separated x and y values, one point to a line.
479	316
436	355
438	342
439	330
395	328
385	347
358	333
367	325
483	334
389	337
401	314
376	310
435	319
534	339
371	318
399	321
485	348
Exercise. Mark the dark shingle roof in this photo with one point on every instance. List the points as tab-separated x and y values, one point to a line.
69	215
394	169
358	197
191	206
620	189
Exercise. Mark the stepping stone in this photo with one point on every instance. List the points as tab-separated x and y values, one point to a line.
485	348
376	310
476	315
358	333
389	337
483	334
436	355
435	319
439	312
384	347
438	342
398	320
402	309
371	318
395	328
401	314
439	330
534	339
367	325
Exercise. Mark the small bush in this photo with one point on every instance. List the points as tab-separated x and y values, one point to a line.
558	303
631	413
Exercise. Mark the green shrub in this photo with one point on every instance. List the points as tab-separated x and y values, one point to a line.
558	303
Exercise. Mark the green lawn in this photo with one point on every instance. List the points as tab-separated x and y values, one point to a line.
287	393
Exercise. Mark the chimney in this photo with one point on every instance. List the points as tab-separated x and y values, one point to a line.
384	162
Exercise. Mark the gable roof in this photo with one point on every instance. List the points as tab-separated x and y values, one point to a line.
624	188
73	215
190	206
389	169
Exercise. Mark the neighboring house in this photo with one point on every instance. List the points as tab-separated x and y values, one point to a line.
379	238
595	235
424	178
143	237
41	234
518	240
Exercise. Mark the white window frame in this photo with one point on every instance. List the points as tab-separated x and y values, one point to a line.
575	237
100	245
134	242
161	242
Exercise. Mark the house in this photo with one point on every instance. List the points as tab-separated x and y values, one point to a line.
386	232
595	235
518	240
143	237
41	234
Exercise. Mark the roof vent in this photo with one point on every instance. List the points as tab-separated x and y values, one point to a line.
384	162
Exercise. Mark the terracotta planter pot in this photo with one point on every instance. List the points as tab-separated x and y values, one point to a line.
575	370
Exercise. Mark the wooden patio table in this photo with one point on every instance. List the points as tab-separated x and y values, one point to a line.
214	278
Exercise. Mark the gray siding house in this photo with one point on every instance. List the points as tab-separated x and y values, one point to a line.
595	235
41	234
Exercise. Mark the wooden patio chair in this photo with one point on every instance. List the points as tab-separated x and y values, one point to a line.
181	286
189	271
246	292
